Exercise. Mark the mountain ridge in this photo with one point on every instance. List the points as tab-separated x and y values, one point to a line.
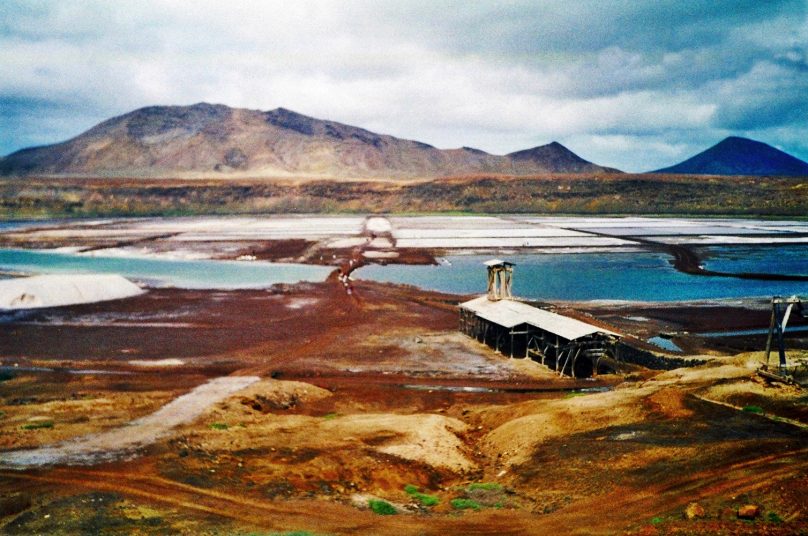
214	140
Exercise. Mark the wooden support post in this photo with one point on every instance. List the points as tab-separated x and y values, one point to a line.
574	359
772	323
511	344
557	357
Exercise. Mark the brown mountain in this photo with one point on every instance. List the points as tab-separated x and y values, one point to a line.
211	140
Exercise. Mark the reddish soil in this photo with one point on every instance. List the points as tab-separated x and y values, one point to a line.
392	369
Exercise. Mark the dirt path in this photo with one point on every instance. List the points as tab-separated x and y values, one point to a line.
602	514
123	441
590	517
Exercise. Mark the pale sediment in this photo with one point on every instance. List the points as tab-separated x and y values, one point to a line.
58	290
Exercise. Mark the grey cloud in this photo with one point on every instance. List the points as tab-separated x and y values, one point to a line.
501	75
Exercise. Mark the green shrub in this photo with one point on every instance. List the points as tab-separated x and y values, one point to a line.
426	500
383	508
218	426
330	416
772	517
465	504
753	409
423	498
37	425
657	520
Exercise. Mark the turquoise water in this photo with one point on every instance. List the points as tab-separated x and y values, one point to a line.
665	344
159	272
581	276
792	260
607	276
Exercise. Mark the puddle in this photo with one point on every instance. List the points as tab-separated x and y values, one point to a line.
8	368
665	344
125	441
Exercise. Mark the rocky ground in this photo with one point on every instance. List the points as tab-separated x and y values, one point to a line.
370	403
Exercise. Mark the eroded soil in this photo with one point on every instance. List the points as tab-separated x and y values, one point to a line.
365	394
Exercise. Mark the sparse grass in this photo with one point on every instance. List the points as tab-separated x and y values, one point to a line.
218	426
37	425
290	533
682	195
753	409
465	504
487	486
772	517
382	508
423	498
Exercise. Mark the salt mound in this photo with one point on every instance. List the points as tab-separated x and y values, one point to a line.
57	290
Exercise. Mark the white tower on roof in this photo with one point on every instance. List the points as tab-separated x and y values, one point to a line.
500	276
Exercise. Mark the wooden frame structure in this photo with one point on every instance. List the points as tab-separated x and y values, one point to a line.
514	328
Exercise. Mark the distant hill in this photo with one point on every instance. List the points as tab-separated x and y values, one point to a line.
740	156
210	140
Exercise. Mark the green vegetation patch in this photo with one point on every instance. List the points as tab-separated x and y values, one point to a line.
382	508
330	416
465	504
423	498
772	517
218	426
37	425
290	533
753	409
485	486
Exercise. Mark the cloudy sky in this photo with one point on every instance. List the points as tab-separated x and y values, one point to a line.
630	84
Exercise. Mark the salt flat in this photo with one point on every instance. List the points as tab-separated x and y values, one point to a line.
233	237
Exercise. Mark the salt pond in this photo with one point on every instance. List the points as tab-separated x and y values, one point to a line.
165	272
642	276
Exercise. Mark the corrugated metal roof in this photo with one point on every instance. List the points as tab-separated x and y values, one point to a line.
510	313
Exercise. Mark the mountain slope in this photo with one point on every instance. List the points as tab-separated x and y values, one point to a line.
740	156
553	158
207	140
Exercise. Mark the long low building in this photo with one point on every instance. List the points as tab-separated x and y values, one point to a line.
512	327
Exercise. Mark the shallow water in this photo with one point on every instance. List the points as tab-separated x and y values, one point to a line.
790	330
644	276
791	260
665	344
162	272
